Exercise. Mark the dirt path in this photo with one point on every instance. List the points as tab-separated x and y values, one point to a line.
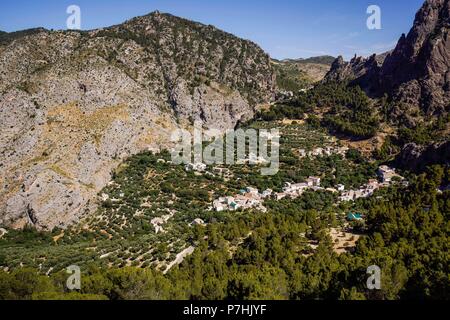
180	257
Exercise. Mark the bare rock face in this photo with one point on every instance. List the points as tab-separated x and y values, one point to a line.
417	157
363	71
340	71
74	104
416	73
210	104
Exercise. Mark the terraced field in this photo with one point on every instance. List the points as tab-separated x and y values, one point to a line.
149	191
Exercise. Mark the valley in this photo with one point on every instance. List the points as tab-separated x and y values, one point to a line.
157	216
125	230
88	178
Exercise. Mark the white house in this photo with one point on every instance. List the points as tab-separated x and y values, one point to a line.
280	196
157	224
313	181
219	204
267	193
386	174
348	196
252	190
199	167
198	222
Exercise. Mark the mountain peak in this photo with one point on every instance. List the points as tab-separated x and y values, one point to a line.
416	71
113	92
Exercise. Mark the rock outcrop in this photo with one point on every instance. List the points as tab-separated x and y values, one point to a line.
416	158
363	71
74	104
416	73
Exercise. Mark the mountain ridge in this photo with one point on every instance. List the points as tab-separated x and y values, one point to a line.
300	74
73	104
416	73
324	59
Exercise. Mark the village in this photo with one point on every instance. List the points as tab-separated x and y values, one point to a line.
327	151
251	197
247	199
344	236
386	175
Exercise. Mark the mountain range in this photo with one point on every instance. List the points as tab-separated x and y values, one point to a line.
74	105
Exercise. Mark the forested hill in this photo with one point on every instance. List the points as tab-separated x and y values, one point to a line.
297	74
409	238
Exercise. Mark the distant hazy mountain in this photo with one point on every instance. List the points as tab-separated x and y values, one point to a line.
328	60
296	74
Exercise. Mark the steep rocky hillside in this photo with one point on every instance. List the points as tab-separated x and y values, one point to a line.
74	104
416	73
418	70
415	79
416	157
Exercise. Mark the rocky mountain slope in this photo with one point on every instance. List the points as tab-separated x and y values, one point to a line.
416	73
417	157
415	77
74	104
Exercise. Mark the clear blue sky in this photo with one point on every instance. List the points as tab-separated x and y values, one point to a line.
283	28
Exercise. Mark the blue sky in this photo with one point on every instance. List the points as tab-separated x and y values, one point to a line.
283	28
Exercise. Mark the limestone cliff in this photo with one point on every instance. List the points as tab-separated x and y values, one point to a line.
74	104
416	74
